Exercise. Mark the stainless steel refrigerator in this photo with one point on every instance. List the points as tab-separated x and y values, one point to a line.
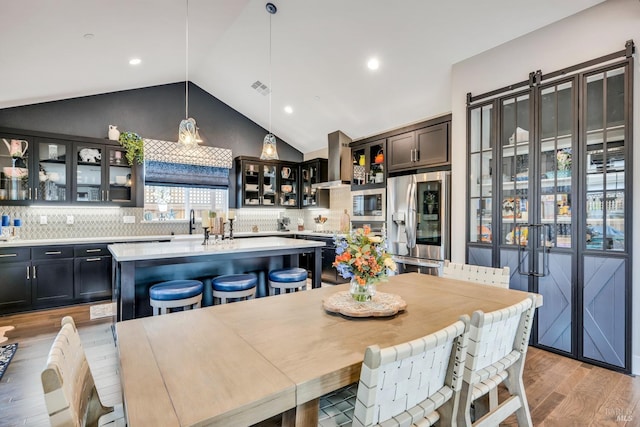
419	221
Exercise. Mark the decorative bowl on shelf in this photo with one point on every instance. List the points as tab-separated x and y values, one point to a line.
251	187
12	172
286	188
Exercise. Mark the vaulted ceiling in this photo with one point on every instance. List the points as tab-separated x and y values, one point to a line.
67	48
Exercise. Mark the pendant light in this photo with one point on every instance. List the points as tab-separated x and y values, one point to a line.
187	131
269	150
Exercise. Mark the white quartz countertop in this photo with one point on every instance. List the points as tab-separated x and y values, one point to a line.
81	240
152	238
192	248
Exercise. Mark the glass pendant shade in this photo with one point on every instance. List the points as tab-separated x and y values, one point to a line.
269	150
188	133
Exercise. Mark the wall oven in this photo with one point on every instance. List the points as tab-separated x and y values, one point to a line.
368	205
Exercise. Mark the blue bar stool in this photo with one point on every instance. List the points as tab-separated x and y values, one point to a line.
175	293
232	286
287	280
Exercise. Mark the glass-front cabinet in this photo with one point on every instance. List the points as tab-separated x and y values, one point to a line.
368	165
102	175
16	176
53	159
288	186
313	172
88	174
556	155
56	169
120	176
266	183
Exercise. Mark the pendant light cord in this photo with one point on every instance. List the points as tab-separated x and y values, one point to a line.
270	79
186	78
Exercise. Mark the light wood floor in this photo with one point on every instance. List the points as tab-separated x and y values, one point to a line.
562	392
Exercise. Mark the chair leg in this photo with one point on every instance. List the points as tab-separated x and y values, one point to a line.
464	406
515	385
493	398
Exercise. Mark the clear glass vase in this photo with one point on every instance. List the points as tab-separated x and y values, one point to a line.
362	293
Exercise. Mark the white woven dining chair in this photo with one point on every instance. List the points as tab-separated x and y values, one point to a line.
477	274
498	343
69	390
416	382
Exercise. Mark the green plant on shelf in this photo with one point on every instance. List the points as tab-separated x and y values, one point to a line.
133	143
564	159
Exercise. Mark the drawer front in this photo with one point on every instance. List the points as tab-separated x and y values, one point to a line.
14	254
91	250
51	252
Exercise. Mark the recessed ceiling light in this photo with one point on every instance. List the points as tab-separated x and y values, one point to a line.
288	109
135	61
373	64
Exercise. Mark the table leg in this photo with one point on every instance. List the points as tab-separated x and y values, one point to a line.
127	290
316	278
304	415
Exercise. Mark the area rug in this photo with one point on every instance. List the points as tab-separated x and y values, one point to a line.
6	354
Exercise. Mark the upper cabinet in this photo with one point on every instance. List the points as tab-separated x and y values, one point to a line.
266	183
313	172
58	169
102	174
425	147
368	164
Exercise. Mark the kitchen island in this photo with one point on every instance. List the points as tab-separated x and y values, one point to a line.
138	266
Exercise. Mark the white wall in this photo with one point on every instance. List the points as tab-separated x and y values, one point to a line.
597	31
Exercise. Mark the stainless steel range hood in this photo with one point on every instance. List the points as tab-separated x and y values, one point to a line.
340	166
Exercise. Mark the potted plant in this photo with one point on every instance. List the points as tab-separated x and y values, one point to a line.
133	143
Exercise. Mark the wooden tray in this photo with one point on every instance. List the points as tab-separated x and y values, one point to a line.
381	305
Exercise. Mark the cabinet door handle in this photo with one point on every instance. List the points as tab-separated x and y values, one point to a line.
417	155
93	259
107	199
34	272
28	276
53	253
7	255
29	193
102	195
36	192
93	250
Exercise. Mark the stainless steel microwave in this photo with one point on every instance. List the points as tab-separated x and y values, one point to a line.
368	205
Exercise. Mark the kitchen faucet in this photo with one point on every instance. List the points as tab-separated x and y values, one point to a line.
192	221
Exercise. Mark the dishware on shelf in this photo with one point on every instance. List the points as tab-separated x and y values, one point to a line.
53	152
121	180
17	147
13	172
251	187
287	188
286	172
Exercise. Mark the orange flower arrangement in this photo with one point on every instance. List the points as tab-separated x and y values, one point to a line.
361	256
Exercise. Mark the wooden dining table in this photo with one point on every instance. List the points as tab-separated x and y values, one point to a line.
237	364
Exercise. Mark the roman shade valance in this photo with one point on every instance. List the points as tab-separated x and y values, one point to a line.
170	163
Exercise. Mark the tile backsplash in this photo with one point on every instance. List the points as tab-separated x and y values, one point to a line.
108	221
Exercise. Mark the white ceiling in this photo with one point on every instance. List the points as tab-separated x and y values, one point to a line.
319	54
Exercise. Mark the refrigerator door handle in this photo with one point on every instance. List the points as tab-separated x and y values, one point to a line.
410	227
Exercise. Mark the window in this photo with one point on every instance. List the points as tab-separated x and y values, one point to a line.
168	203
